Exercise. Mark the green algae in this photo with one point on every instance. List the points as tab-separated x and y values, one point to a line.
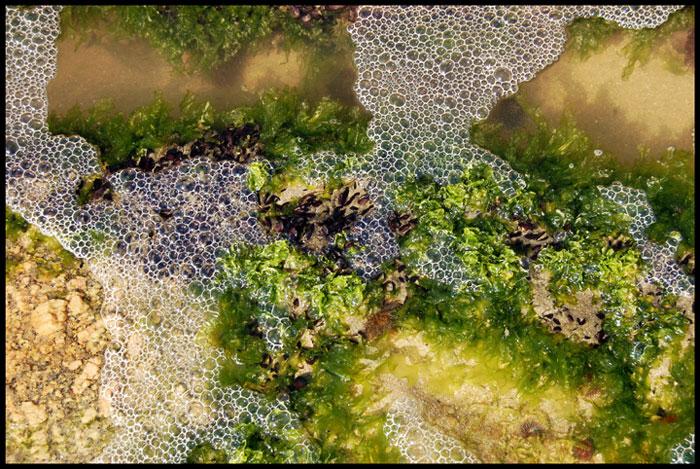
561	167
333	410
258	176
263	448
206	454
539	359
644	40
201	38
15	225
632	429
87	188
288	125
587	36
330	411
496	323
477	239
498	319
588	263
279	278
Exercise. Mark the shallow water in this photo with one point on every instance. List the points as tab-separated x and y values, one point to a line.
130	71
654	108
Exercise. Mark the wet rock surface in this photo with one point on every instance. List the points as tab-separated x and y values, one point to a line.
54	348
581	321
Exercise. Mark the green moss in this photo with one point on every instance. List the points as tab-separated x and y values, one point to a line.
587	36
206	454
14	224
644	40
199	38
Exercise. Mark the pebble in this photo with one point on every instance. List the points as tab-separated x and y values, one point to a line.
89	416
76	305
33	413
48	317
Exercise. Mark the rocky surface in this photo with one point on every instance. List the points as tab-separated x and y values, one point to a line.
54	349
581	321
490	417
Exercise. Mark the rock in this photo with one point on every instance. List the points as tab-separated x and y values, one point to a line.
104	407
33	413
91	371
48	317
74	365
76	305
77	283
45	359
82	382
581	321
88	416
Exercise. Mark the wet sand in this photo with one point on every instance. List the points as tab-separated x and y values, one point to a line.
131	71
653	108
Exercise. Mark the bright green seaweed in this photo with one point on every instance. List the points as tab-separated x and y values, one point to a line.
282	278
496	318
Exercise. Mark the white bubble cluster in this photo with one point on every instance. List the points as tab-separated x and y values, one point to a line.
378	243
684	452
424	72
417	440
634	204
